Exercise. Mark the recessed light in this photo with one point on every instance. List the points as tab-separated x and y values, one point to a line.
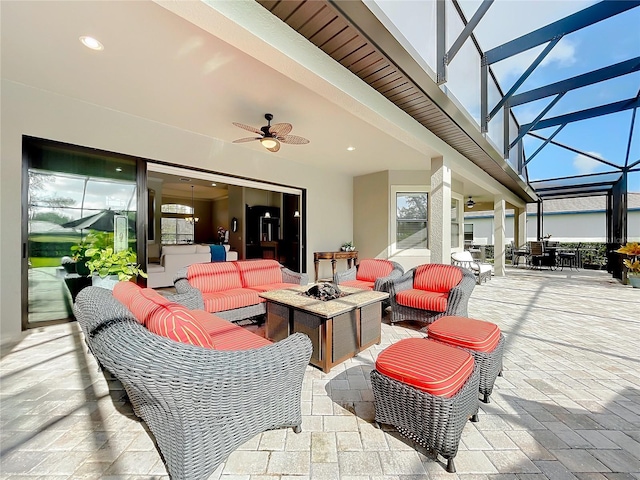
213	184
351	149
91	43
118	169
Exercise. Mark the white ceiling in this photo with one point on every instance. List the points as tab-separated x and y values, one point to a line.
159	66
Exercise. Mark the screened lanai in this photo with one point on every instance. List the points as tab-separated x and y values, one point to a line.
541	95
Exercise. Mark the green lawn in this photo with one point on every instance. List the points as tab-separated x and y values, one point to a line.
37	262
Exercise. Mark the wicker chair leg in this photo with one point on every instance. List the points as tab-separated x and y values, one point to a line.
297	429
474	418
500	373
451	468
486	398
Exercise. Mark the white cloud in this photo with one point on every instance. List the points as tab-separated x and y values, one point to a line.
585	164
564	54
507	20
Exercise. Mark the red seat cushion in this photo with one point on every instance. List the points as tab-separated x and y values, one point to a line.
362	284
125	292
272	286
175	322
432	367
435	277
230	299
466	333
423	300
259	272
226	335
214	277
370	269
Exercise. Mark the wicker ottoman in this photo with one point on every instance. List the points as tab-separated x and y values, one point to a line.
427	390
481	339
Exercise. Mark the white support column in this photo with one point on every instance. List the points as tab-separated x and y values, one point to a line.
520	226
499	228
440	211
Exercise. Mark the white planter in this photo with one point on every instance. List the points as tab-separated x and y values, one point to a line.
107	282
634	280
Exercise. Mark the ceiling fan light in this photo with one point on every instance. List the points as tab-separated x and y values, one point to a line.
470	202
269	142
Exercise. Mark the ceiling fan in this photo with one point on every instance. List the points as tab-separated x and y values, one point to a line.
271	136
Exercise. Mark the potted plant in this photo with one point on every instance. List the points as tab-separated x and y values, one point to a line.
109	267
79	257
347	247
632	249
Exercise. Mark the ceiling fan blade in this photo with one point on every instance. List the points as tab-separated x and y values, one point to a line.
274	149
280	129
293	140
248	128
246	139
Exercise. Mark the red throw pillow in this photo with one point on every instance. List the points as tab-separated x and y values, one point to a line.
371	269
125	292
176	323
435	277
145	303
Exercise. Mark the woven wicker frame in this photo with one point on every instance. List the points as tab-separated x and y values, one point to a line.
457	302
200	404
489	364
433	422
382	284
184	287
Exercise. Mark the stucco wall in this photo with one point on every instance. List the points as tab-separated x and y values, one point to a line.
30	111
371	215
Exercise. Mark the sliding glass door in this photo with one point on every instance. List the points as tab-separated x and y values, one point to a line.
74	197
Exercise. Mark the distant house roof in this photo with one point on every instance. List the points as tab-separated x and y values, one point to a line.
569	205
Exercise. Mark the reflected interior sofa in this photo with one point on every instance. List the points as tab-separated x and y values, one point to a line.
175	257
203	385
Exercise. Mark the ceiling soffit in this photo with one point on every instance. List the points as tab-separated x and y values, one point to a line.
327	27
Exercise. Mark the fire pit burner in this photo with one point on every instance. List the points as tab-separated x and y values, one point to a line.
325	292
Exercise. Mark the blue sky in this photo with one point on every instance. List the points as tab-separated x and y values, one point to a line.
599	45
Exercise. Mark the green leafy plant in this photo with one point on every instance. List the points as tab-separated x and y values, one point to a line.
348	247
107	262
79	250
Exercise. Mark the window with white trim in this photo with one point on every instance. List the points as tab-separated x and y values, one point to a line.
411	220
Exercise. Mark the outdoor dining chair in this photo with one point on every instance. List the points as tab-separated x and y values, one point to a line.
569	258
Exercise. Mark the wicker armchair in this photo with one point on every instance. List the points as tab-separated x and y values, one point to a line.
370	274
482	271
431	291
200	404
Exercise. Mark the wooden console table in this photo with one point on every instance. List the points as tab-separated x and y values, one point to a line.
334	256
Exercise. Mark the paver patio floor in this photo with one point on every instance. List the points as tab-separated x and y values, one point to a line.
568	405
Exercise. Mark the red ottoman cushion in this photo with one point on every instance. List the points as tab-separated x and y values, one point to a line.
465	332
432	367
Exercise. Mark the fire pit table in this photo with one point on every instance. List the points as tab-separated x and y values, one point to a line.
339	329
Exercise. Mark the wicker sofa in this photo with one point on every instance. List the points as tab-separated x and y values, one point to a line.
428	292
199	403
231	289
